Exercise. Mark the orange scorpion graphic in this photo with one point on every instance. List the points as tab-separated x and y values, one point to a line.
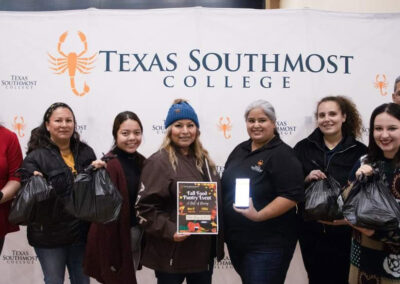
381	84
225	127
19	126
72	62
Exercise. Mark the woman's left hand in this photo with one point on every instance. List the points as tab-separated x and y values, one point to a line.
99	164
365	231
250	212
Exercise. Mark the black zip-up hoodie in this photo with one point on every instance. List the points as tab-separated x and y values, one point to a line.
311	153
61	228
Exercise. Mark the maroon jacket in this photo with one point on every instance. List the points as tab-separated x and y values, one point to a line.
108	256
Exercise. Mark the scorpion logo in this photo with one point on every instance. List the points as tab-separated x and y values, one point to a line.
72	62
19	126
225	127
381	84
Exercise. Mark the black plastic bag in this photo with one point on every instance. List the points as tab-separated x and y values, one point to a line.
94	197
33	202
371	205
321	200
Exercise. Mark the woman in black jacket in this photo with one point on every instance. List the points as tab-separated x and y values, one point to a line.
332	149
56	152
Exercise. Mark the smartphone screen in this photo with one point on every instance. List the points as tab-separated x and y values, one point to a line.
242	192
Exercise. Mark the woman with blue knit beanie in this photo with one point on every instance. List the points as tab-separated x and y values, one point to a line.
176	257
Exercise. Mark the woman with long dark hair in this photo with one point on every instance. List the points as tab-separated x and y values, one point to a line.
375	254
56	152
331	149
113	249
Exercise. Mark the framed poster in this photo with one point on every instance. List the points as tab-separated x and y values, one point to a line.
197	204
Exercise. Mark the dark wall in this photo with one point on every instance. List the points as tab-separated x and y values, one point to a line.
51	5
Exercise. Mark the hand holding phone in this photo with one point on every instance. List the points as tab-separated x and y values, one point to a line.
242	192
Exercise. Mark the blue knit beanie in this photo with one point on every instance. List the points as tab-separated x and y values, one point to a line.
181	110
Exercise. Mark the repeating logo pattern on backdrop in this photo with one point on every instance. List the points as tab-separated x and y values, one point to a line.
18	82
381	84
19	257
225	126
159	128
81	128
285	128
220	170
73	62
19	125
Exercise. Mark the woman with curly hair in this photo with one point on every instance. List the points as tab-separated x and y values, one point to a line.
331	149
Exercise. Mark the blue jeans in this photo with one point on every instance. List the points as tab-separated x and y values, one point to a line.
54	261
258	264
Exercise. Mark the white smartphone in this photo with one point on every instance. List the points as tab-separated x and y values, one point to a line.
242	192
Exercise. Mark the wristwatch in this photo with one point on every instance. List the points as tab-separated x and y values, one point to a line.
1	195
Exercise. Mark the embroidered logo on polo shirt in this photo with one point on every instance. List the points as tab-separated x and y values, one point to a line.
257	167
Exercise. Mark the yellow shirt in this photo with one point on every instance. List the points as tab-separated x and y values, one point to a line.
69	160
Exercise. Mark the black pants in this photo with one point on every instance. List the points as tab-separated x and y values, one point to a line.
1	244
326	252
204	277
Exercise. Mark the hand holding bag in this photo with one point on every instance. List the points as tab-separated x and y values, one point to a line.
33	202
94	197
370	204
321	200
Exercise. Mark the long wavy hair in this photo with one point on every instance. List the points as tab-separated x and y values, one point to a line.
353	124
40	136
200	153
374	152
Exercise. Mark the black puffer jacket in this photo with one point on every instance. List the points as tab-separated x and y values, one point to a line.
62	228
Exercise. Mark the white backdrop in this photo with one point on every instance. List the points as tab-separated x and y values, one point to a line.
218	59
